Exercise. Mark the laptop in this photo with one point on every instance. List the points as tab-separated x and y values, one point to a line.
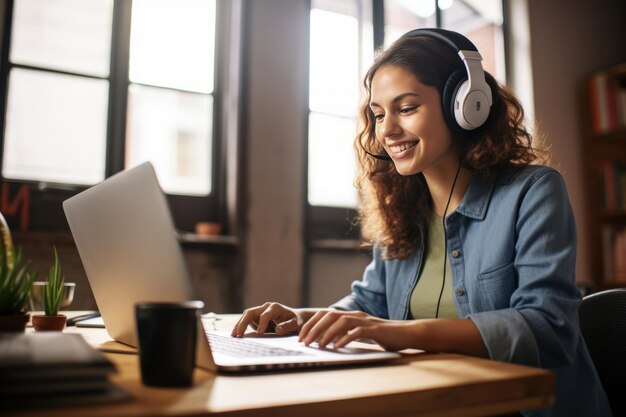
129	248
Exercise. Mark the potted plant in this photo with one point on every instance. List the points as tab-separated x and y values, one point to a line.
52	296
15	284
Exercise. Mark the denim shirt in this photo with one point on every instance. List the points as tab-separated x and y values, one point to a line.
512	251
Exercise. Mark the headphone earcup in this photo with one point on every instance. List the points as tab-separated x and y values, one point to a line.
468	110
450	90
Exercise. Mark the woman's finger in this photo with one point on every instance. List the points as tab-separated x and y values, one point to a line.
249	316
338	329
321	326
286	327
353	334
274	313
309	324
265	319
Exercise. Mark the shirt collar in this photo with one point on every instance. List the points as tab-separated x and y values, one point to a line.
476	198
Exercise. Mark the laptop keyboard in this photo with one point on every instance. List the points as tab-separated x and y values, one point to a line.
246	348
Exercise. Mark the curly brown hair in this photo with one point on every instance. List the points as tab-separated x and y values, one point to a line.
395	209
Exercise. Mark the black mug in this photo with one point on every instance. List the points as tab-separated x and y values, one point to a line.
167	341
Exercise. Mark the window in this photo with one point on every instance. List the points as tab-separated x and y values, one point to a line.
170	99
481	22
94	87
342	44
56	115
339	54
341	50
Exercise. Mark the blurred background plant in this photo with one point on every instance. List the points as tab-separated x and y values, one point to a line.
15	280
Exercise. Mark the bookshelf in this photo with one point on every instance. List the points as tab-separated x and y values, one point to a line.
604	127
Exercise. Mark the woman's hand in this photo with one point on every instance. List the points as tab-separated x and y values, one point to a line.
342	327
262	318
326	326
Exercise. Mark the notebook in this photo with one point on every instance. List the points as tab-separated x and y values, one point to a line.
129	248
44	369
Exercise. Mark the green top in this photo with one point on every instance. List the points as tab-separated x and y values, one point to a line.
426	292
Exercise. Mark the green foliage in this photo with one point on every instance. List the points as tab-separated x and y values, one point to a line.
15	283
53	290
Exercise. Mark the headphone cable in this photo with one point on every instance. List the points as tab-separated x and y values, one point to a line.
445	239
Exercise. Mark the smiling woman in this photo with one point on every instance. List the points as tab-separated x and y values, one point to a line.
462	176
409	122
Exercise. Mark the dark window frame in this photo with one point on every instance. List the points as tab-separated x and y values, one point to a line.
45	209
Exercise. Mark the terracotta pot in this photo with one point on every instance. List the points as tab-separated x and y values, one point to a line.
14	323
43	323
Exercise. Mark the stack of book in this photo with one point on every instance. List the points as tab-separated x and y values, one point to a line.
607	90
613	186
53	368
614	254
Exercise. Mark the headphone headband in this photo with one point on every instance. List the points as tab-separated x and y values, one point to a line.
455	40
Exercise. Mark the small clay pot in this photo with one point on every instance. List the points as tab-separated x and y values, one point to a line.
43	323
14	323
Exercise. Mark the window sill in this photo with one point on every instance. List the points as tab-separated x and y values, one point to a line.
348	245
187	240
60	237
194	241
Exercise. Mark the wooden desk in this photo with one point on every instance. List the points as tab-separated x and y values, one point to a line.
417	385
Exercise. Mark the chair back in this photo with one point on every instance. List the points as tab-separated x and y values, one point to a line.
603	325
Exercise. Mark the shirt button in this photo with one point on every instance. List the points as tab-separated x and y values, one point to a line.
460	292
456	253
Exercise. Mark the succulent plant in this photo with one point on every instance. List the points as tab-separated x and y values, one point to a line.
15	280
53	291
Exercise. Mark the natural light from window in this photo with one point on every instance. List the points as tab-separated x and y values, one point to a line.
172	126
334	90
56	124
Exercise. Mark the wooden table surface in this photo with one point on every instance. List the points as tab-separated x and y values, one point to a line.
420	384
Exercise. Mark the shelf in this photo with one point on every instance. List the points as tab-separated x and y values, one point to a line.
604	127
617	135
609	285
613	215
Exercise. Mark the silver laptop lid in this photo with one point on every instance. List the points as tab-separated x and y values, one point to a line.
128	245
127	242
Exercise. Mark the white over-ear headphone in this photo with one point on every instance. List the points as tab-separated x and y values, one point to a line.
467	96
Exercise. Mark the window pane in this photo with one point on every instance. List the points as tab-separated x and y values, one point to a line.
402	16
334	69
55	128
173	130
67	35
178	54
341	51
332	162
481	22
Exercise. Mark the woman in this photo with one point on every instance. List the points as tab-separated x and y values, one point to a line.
473	244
